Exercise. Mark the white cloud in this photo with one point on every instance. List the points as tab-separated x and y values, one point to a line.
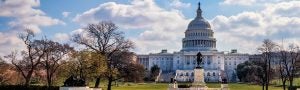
246	30
251	2
10	42
25	15
162	28
239	2
61	37
179	4
66	14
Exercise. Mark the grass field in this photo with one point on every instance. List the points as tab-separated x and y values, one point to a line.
236	86
144	86
164	86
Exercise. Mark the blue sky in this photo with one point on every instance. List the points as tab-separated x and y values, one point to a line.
153	24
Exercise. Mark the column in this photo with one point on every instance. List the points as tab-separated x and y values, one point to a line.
201	43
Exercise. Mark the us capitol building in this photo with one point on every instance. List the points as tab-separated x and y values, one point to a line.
199	37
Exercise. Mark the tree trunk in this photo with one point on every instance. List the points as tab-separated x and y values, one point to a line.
49	81
48	78
291	82
263	86
268	76
97	82
267	85
27	81
110	79
283	83
27	78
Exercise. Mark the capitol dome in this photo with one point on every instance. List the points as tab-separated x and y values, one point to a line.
199	22
199	36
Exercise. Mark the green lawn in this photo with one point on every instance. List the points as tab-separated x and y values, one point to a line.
236	86
278	82
144	86
164	86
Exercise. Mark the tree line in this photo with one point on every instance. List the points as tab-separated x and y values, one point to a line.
274	62
102	53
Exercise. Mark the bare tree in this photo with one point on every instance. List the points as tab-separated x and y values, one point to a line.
31	57
54	53
267	49
288	64
283	67
105	39
291	67
4	68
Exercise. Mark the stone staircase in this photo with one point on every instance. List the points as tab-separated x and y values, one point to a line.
166	76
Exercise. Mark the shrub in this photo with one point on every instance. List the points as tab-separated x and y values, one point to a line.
294	88
184	86
20	87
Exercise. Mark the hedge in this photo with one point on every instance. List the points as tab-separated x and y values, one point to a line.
20	87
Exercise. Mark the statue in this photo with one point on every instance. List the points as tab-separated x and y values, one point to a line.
199	60
74	81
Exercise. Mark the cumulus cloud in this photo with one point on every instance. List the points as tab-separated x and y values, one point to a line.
251	2
61	37
25	15
161	28
239	2
246	30
179	4
66	14
164	29
9	43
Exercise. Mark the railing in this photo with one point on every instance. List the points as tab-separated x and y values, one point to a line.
159	74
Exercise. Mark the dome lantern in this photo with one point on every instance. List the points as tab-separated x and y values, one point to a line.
199	11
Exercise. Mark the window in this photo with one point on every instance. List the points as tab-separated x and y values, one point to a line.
214	74
192	74
177	61
208	62
208	74
194	62
186	74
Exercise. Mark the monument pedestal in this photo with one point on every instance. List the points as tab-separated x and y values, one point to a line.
199	78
